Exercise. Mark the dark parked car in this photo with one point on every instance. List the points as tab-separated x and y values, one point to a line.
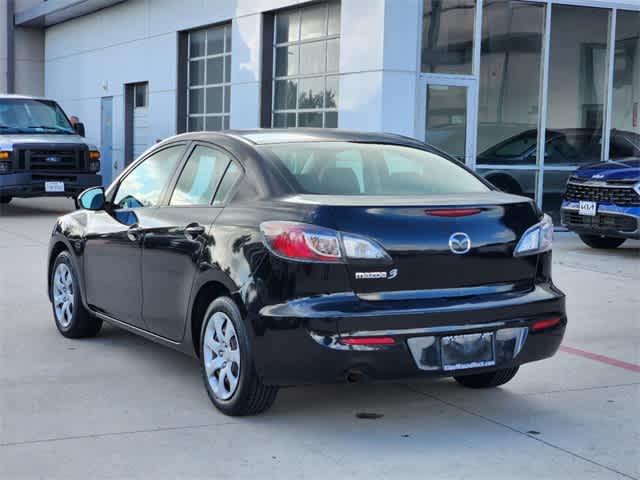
578	146
602	203
290	257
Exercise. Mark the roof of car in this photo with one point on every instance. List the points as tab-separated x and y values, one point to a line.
296	135
4	96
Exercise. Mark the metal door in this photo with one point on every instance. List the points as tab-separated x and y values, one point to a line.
106	140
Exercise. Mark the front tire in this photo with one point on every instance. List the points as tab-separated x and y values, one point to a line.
602	242
71	317
488	379
227	363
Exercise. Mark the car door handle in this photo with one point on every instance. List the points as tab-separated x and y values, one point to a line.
134	233
194	230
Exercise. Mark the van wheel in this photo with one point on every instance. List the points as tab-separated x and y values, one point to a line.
72	318
5	200
599	241
227	362
488	379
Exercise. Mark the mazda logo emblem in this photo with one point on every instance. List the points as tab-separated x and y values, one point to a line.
459	243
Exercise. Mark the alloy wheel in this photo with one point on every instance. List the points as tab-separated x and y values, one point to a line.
63	294
221	351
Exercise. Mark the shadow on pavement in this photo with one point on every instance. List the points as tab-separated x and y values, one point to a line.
37	207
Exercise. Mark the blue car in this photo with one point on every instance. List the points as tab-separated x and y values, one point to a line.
602	203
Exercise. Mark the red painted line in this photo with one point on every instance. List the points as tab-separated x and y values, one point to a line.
601	358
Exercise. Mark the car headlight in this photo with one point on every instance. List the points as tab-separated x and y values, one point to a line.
94	160
536	239
5	161
636	187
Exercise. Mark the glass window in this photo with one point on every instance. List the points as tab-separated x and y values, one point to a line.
446	121
143	186
577	75
288	26
199	177
140	95
311	92
575	104
342	168
287	60
447	36
209	78
518	182
231	177
196	43
307	47
625	106
313	22
510	62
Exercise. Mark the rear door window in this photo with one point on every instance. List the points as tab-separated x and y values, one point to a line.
229	181
200	177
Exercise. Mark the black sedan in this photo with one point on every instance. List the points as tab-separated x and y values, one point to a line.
305	256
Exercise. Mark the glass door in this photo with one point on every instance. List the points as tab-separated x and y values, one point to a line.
446	115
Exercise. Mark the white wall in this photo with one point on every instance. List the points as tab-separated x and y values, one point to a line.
96	55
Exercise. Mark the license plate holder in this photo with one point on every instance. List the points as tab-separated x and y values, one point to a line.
472	350
586	208
53	187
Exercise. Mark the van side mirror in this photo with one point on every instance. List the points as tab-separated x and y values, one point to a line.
79	128
91	199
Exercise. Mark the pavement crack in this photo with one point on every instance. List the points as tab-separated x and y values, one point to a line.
520	432
115	434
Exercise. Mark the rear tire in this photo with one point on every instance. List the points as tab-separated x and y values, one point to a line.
72	318
602	242
488	379
5	200
227	362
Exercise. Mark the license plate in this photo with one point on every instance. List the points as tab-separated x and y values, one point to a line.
473	350
54	187
588	208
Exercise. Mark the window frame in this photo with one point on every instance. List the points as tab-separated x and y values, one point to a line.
115	188
191	146
325	75
225	114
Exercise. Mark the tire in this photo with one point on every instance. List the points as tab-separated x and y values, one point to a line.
488	379
73	321
602	242
5	200
225	345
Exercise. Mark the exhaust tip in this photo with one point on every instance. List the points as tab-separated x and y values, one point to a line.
355	375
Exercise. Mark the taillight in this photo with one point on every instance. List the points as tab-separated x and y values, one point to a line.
305	242
300	241
546	323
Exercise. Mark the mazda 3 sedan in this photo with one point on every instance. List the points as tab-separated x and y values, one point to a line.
286	257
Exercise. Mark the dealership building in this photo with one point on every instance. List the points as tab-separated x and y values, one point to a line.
523	91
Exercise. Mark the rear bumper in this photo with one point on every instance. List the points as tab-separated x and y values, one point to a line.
611	220
30	184
298	342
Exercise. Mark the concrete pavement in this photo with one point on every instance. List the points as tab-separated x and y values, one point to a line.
120	407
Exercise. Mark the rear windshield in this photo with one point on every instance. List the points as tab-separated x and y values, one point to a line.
345	168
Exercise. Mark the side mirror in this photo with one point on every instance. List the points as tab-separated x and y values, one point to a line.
91	199
79	128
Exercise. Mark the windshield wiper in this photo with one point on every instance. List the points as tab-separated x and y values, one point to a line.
49	127
7	127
